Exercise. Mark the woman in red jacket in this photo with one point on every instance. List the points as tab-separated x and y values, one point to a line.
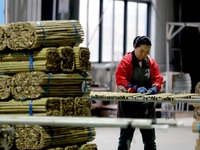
137	72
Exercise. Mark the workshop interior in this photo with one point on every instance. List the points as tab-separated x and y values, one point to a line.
58	58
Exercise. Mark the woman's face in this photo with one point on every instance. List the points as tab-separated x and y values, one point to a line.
142	51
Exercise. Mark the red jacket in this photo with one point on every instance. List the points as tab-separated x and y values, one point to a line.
125	69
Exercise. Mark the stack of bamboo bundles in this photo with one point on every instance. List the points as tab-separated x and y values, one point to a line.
5	84
52	106
32	85
31	35
48	59
3	36
42	137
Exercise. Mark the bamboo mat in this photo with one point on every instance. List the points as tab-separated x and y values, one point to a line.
40	137
30	35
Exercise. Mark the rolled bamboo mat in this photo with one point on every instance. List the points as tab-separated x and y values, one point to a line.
30	35
82	58
39	107
31	85
40	137
5	87
3	36
9	137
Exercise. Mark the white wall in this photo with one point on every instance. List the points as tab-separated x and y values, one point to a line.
22	10
162	12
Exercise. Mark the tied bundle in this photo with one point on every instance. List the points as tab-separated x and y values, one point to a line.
82	57
32	85
31	35
5	87
48	59
45	59
39	107
8	136
3	37
52	106
40	137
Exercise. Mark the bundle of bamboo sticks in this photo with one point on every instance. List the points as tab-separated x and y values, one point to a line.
87	146
52	106
39	107
31	85
30	35
82	106
5	87
40	137
49	59
82	57
3	37
9	138
67	56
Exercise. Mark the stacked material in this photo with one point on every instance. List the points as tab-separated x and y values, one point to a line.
49	59
53	106
31	35
45	73
40	137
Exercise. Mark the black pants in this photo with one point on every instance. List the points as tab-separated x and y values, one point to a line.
126	136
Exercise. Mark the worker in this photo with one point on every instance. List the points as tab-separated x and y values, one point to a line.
137	72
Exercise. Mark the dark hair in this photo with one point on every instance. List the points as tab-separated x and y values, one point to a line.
141	40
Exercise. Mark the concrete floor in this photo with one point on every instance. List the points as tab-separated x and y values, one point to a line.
173	138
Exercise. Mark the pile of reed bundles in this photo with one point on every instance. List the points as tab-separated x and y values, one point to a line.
40	137
32	85
31	35
53	106
3	37
49	59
